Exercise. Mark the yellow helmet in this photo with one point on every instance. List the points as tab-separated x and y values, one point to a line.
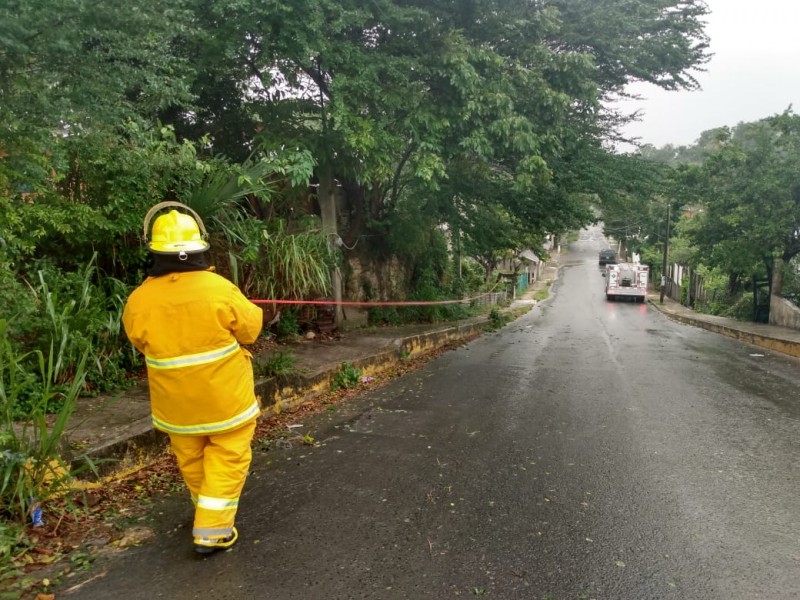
175	232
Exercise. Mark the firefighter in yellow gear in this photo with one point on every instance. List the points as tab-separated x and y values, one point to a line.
190	323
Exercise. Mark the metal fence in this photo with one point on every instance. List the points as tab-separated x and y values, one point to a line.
490	299
689	290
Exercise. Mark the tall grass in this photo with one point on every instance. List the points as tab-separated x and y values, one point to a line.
32	467
273	263
82	313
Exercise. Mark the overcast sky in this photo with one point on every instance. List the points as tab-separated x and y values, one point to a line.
754	73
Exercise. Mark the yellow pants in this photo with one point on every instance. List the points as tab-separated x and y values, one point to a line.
214	468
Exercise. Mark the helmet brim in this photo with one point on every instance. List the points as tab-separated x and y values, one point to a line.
193	247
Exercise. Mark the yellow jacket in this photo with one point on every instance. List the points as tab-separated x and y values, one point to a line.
189	327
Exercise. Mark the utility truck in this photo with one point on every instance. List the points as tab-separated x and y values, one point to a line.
626	280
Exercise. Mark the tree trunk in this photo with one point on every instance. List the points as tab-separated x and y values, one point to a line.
733	283
777	277
326	194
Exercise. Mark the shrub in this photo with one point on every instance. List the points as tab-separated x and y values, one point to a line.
791	280
384	315
741	310
346	377
497	319
542	294
717	302
31	466
288	325
282	362
274	262
87	307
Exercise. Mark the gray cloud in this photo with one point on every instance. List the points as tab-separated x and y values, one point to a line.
755	73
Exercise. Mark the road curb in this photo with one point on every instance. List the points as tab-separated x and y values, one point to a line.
778	345
278	394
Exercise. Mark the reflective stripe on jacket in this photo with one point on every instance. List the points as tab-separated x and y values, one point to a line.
189	327
201	358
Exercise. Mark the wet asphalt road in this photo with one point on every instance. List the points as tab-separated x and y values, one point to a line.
586	450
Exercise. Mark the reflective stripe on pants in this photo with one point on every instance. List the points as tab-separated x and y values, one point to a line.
214	468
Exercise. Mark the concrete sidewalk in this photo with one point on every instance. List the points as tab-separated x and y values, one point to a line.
779	339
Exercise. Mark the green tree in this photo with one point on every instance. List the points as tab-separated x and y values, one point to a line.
750	189
73	66
663	39
386	95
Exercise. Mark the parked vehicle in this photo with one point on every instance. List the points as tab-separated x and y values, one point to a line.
627	280
607	257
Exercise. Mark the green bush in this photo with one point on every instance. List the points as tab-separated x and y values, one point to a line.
86	306
346	377
273	261
684	291
288	325
472	277
400	315
282	362
385	315
791	280
434	278
31	465
717	302
741	310
497	319
542	294
428	288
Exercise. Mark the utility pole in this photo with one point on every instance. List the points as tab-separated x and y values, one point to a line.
666	257
457	235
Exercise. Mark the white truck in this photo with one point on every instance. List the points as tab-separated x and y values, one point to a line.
627	280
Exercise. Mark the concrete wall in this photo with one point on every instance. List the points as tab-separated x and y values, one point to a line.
372	279
783	313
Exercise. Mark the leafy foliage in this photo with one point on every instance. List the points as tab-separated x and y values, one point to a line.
734	201
288	325
83	317
271	262
498	319
77	67
346	377
750	189
431	280
278	363
31	464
